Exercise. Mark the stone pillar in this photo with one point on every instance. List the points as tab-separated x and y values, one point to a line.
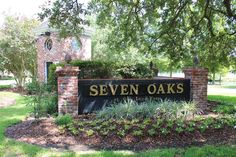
199	81
67	81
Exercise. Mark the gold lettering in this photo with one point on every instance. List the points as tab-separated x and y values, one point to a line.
170	88
124	89
180	88
154	89
103	90
134	89
93	90
113	89
161	89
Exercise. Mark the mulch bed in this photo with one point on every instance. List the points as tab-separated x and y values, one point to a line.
45	133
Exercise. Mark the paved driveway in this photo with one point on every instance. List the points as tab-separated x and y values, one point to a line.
7	82
219	90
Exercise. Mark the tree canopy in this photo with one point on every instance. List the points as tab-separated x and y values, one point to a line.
17	48
178	30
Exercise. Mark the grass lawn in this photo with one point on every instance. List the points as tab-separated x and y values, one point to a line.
9	95
223	98
10	148
6	78
5	86
222	94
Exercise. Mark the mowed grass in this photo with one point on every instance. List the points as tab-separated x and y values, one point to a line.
227	103
5	86
11	148
225	93
4	95
10	116
223	98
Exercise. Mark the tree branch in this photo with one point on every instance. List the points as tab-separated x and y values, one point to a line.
227	4
180	8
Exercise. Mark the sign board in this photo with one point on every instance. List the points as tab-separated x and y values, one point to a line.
95	94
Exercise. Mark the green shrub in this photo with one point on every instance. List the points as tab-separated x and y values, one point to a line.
225	107
41	99
130	109
32	87
36	100
50	103
148	126
52	78
95	69
89	132
102	69
133	71
64	120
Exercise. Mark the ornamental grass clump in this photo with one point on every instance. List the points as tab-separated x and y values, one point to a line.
127	109
174	110
150	108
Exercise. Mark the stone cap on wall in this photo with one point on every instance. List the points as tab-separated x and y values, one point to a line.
67	71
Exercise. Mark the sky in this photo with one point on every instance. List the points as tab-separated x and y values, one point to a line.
28	8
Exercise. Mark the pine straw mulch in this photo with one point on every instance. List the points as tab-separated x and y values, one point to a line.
45	133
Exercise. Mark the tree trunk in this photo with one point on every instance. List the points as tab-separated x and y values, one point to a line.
213	78
220	79
171	71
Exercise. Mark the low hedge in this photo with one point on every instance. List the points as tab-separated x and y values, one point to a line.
95	69
103	69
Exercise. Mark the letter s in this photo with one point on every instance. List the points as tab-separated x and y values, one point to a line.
180	88
93	90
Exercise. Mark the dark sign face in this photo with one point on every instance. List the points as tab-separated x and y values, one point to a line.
94	94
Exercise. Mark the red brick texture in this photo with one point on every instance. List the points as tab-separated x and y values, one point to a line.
67	79
68	88
60	47
199	81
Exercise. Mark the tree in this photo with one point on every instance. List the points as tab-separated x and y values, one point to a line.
215	55
103	51
233	62
178	30
17	48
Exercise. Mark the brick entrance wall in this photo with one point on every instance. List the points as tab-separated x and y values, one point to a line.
67	79
68	87
199	81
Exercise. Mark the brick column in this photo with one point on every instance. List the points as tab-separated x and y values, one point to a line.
67	81
199	81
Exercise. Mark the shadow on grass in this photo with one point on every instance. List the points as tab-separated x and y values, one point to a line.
10	116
